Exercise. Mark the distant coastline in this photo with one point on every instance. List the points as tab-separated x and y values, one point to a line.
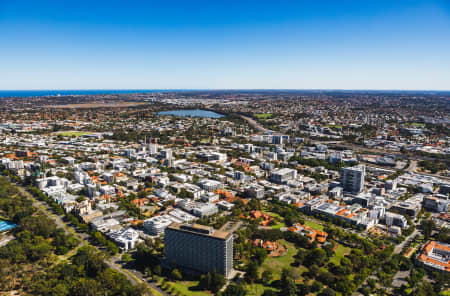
75	92
45	93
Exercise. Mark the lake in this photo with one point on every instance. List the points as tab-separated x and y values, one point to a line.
192	113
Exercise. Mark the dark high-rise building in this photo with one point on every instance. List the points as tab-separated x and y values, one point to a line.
199	248
352	178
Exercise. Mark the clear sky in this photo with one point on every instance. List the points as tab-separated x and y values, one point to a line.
218	44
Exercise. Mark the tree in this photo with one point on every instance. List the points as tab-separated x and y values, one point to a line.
328	292
148	272
205	281
427	226
39	251
346	265
234	290
266	276
157	270
259	255
60	290
252	271
269	293
329	249
91	260
303	289
289	289
372	283
316	286
315	256
176	275
285	276
86	287
126	258
212	281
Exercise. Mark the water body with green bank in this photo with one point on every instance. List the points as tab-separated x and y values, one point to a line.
192	113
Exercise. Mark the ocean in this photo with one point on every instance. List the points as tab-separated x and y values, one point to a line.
42	93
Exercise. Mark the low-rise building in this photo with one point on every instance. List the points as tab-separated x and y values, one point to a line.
435	256
156	225
283	175
125	238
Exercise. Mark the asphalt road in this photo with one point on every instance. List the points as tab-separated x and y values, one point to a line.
399	247
254	124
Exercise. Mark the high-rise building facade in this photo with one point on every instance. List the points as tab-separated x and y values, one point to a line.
199	248
352	178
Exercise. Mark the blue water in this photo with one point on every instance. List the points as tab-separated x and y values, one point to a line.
192	113
5	226
42	93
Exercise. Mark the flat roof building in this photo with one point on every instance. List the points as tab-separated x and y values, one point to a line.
283	175
157	224
435	256
199	248
352	178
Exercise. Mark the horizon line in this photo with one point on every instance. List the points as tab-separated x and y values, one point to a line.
224	89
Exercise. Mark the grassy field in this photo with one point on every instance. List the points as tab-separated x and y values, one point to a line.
263	115
187	288
277	225
334	126
341	251
313	225
276	265
71	133
257	289
275	215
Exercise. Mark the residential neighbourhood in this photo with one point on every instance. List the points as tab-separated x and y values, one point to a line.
174	199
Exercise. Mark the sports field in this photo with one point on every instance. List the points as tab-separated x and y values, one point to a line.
71	133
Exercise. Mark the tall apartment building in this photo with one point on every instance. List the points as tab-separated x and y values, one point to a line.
199	248
352	178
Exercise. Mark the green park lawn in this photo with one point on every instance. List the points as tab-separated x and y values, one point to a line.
340	252
71	133
334	126
276	264
263	115
187	288
278	225
257	289
275	215
314	225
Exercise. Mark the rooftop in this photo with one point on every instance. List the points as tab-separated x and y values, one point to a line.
200	229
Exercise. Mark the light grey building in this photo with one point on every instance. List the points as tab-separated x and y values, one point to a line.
352	178
283	175
199	248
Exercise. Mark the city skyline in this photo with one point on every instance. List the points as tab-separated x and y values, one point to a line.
202	45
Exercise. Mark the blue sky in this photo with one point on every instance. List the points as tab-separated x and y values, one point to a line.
225	44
